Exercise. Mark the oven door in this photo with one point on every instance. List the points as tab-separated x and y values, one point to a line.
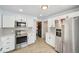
21	39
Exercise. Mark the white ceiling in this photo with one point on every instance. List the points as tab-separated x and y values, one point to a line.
35	10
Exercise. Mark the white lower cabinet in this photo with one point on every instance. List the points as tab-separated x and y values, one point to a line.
24	44
50	39
31	38
8	43
0	46
8	21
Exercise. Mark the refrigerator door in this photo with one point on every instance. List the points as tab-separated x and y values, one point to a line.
76	35
67	42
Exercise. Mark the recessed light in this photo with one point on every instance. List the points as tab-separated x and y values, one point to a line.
40	15
44	7
21	10
35	17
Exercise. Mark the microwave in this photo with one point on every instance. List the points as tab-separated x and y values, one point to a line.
20	24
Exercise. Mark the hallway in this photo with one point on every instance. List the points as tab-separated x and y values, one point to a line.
38	47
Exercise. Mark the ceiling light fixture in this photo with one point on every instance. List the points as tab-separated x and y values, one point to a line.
21	10
44	7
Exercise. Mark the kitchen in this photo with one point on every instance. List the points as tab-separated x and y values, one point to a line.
59	28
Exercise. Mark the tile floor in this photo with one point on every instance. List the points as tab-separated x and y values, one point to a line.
38	47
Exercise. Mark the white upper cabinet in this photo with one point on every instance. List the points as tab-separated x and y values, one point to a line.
20	18
0	17
8	21
0	20
51	23
30	22
24	18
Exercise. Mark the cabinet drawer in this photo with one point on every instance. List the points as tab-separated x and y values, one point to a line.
8	43
7	39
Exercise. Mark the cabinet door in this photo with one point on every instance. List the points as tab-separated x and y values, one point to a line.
47	38
30	22
8	43
49	23
58	44
50	39
0	20
8	21
31	38
23	19
20	18
53	23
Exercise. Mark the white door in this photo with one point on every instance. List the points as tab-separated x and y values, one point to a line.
45	28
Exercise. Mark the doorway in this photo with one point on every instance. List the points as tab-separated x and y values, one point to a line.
39	29
45	28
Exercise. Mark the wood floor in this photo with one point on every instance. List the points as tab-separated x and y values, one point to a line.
38	47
